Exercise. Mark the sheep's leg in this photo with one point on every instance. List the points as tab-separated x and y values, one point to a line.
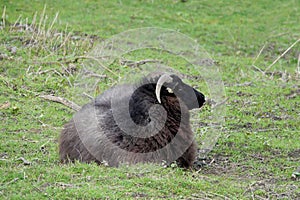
188	157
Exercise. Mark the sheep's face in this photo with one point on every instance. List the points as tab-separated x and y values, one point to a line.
173	86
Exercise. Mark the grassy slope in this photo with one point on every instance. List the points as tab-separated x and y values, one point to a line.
255	155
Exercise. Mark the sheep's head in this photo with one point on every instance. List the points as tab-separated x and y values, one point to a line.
165	89
173	85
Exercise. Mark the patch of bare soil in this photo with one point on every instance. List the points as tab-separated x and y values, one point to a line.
264	184
294	154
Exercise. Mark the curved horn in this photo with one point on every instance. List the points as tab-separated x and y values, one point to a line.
166	78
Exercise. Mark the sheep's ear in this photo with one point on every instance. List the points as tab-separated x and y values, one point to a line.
166	78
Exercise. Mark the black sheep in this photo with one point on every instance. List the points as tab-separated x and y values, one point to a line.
144	122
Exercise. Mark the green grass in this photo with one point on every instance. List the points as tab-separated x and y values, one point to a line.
257	151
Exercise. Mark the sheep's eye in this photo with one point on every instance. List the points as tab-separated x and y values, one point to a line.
170	90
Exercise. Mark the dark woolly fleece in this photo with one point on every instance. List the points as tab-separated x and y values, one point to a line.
93	135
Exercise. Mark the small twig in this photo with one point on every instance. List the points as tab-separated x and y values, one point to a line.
63	60
48	70
267	129
131	63
5	105
257	68
244	84
251	189
28	69
53	62
211	162
12	181
41	20
279	57
66	185
289	167
43	145
25	162
278	35
16	22
258	55
220	103
100	64
49	126
255	59
64	44
218	195
61	100
92	74
298	65
53	22
88	96
3	16
38	189
33	23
